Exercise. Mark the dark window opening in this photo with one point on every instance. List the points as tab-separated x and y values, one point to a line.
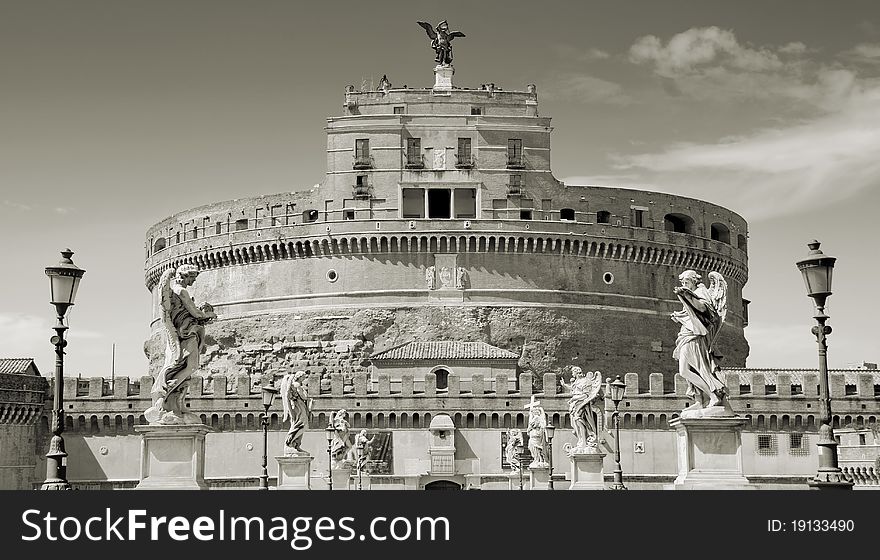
195	233
159	245
414	153
720	232
348	215
638	218
741	242
567	214
465	202
241	224
678	223
603	217
362	153
463	157
399	110
438	203
217	228
442	378
310	216
515	185
177	237
525	214
413	203
476	110
514	153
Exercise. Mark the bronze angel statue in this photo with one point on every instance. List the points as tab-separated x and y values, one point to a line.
701	318
441	40
183	328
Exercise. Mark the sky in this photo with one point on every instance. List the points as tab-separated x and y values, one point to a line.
115	114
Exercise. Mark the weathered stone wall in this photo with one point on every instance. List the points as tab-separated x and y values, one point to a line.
22	400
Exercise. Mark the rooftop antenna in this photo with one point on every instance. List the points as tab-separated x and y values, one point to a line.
113	368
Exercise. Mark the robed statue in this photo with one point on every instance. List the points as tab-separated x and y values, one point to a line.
702	315
441	40
297	409
584	409
183	328
341	448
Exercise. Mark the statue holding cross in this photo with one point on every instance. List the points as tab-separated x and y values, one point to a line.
537	431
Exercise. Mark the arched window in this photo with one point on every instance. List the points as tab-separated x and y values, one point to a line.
603	217
678	223
567	214
159	245
720	232
442	378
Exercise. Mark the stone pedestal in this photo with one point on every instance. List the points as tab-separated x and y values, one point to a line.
294	472
341	478
539	478
173	456
587	472
710	454
443	78
513	480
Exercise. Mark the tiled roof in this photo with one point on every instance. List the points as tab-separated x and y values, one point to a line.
445	350
850	376
15	365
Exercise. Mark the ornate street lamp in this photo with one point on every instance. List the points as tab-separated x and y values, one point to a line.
360	457
550	430
64	281
816	269
329	431
616	390
269	393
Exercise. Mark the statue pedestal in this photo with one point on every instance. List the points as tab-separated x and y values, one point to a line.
341	478
514	479
587	472
443	78
710	454
173	456
294	472
539	478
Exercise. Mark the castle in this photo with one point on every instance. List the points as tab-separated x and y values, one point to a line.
441	270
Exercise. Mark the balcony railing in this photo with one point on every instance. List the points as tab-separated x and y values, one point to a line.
414	162
514	189
362	191
515	163
464	161
363	162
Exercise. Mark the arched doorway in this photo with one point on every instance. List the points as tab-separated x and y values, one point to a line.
442	485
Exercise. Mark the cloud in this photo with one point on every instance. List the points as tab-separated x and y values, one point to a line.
573	53
588	89
23	335
16	206
779	170
864	53
63	211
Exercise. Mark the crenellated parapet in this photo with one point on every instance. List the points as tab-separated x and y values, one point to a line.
481	402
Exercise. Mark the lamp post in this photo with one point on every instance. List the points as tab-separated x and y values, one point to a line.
360	459
64	281
816	269
616	389
549	431
521	456
329	431
269	393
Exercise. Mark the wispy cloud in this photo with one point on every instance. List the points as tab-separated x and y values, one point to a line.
588	89
63	211
864	53
16	206
580	55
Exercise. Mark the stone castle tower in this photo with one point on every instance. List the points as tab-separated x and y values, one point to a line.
439	219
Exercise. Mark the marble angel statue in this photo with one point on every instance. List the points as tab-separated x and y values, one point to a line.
584	408
183	328
297	409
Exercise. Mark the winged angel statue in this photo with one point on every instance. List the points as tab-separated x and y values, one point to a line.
183	328
703	313
441	40
584	409
297	409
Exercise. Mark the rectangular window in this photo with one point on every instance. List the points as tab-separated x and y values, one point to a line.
241	225
766	444
362	148
414	151
638	218
288	213
217	228
259	214
514	152
276	214
463	155
797	444
525	214
348	215
465	203
515	184
476	110
413	203
361	180
438	203
399	110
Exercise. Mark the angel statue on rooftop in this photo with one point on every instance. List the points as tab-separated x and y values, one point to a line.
297	408
701	318
441	40
183	328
